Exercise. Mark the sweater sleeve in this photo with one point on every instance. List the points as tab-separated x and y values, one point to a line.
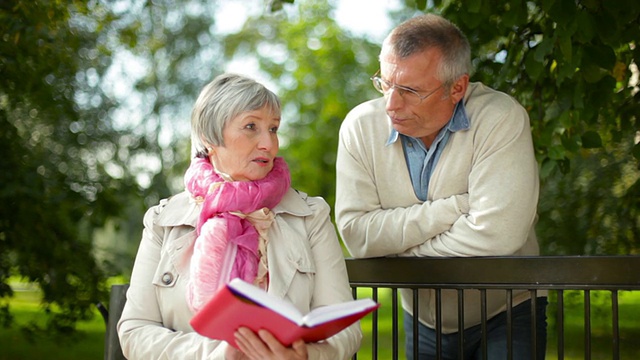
503	191
367	227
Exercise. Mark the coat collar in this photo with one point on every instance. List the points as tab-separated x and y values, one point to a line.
182	209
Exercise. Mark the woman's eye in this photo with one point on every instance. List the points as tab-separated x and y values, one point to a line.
250	126
274	129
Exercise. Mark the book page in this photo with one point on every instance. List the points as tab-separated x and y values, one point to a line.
330	312
261	297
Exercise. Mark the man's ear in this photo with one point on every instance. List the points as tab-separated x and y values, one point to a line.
459	88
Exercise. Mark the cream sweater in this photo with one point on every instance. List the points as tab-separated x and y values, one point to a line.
482	196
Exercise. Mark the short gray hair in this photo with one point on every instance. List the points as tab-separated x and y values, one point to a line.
432	31
224	98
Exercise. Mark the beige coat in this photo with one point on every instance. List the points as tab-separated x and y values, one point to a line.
306	266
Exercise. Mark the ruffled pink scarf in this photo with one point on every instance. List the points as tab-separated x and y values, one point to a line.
231	230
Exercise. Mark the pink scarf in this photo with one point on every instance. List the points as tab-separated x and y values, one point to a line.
231	230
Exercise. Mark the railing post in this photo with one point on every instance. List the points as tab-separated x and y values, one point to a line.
540	275
112	349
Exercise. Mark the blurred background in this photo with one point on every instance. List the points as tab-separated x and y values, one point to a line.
95	100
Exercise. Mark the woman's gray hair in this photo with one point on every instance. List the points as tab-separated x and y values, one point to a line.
432	31
224	98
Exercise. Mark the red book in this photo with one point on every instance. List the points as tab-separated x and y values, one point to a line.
242	304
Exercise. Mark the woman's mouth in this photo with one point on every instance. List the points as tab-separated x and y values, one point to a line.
262	161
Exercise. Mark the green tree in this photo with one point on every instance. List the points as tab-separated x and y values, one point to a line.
321	71
162	55
575	75
84	148
578	80
54	192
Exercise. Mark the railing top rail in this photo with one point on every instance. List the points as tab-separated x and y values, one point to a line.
539	272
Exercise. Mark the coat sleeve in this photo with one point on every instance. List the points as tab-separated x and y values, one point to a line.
331	282
140	329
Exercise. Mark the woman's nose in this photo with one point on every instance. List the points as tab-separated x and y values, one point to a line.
267	141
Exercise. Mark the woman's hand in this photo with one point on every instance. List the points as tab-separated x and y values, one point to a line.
234	354
264	346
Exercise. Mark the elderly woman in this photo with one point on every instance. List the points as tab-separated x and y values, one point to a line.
238	217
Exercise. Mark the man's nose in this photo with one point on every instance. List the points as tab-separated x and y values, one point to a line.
394	99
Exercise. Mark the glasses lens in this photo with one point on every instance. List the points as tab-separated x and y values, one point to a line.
378	84
410	97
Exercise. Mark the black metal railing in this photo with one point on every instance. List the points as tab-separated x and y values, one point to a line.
557	275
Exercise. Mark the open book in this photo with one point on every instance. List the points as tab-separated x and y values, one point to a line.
242	304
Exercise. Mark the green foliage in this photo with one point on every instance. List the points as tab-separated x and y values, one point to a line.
82	151
593	210
322	72
49	197
571	74
575	76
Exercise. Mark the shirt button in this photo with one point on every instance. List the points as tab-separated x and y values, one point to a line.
167	278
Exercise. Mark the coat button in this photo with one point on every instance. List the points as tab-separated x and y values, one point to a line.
167	278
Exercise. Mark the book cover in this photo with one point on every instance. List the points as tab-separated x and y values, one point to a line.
242	304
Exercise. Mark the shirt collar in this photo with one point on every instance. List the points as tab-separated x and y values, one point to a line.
459	121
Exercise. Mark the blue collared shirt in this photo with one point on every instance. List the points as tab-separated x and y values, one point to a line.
420	160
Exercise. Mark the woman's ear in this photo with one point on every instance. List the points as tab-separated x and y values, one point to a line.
207	147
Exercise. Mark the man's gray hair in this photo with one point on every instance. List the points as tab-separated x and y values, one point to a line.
224	98
432	31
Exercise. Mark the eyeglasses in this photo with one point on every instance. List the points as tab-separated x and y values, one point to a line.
409	95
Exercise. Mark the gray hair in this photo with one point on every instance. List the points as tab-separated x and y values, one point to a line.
224	98
432	31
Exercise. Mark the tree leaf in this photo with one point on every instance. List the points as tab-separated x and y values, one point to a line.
556	152
544	48
571	143
636	151
586	27
599	55
547	167
591	140
421	4
473	6
534	68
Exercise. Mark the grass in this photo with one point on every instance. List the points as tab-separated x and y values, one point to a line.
385	328
89	342
601	326
574	338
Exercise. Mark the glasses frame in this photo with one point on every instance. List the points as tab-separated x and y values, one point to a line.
402	90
